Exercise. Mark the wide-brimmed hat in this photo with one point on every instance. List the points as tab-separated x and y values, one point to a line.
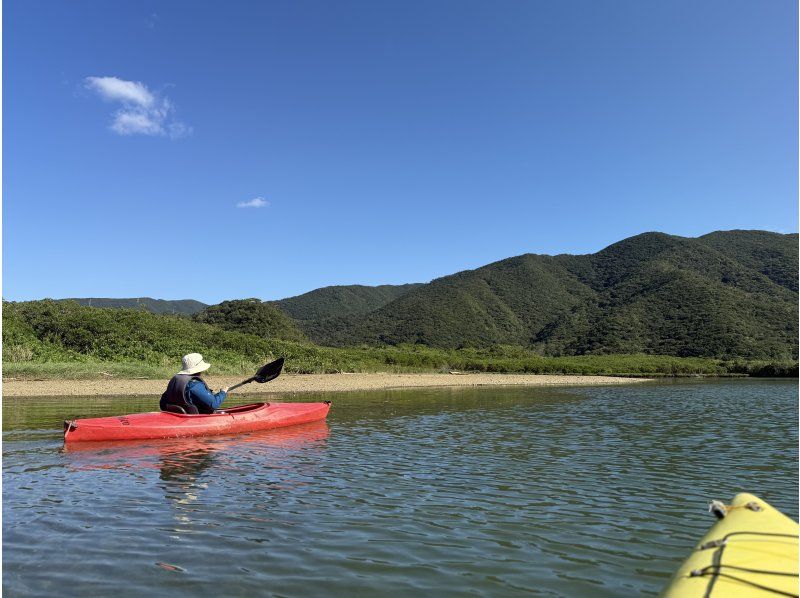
193	364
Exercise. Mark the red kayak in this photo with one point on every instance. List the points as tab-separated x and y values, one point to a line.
163	424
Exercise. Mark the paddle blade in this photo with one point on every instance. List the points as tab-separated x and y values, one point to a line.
269	372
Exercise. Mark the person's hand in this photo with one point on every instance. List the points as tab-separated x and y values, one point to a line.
224	389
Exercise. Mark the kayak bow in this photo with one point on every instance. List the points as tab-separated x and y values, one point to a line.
751	551
163	424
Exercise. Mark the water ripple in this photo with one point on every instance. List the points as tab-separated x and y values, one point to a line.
594	491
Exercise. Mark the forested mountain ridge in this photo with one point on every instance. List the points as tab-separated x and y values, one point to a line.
726	294
322	312
772	254
341	300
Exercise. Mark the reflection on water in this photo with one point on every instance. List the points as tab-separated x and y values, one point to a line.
183	461
592	491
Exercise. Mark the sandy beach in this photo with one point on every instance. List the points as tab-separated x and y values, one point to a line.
299	383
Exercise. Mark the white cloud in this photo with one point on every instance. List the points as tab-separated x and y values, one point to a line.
131	122
257	202
142	111
112	88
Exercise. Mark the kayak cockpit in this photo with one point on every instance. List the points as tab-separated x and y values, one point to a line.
178	410
242	408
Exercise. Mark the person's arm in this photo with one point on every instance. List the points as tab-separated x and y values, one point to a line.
199	392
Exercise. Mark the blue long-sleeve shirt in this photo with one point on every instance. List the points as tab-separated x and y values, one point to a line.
199	393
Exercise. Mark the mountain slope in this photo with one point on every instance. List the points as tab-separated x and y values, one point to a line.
772	254
727	294
251	316
345	300
323	313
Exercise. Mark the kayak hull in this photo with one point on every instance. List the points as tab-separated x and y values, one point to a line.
750	552
162	424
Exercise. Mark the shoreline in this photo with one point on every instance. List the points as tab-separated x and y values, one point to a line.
305	383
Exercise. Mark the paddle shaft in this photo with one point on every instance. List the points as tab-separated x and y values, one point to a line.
242	383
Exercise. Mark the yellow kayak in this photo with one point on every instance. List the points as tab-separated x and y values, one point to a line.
751	551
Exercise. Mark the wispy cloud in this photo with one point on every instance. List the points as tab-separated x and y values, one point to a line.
112	88
256	202
142	113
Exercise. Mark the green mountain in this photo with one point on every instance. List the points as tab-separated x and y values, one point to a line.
156	306
726	294
347	300
774	256
63	340
251	316
325	312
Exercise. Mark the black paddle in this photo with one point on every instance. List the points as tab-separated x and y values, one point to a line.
265	373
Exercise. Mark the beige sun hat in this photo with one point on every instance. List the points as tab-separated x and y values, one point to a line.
193	364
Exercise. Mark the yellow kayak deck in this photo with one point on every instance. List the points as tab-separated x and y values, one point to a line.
751	552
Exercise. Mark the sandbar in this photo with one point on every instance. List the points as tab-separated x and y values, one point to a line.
302	383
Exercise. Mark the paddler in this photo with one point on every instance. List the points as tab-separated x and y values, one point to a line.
187	392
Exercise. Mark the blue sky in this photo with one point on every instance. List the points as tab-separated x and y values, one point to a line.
378	142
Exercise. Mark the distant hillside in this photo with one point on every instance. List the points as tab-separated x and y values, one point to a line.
61	340
774	256
251	316
156	306
726	294
326	311
342	300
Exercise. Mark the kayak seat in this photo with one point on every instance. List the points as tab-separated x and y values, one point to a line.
188	410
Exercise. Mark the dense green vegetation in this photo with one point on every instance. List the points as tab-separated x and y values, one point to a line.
157	306
654	304
338	301
251	316
726	295
44	339
323	312
774	256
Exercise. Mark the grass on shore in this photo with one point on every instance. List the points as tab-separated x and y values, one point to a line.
48	340
410	359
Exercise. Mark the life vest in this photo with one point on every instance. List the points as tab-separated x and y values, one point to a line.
178	394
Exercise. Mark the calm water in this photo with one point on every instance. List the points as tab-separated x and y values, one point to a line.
576	492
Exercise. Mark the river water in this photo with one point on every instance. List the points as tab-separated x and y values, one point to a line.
594	491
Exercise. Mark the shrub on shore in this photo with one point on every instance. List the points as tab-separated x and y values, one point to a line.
65	339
